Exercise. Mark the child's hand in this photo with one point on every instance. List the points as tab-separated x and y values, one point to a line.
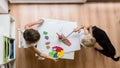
46	56
40	21
55	60
78	28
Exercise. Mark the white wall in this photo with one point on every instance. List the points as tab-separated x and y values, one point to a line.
5	24
1	49
3	6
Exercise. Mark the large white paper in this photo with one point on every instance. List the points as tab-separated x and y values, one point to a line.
68	56
53	26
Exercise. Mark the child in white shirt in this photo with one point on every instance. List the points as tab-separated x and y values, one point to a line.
32	36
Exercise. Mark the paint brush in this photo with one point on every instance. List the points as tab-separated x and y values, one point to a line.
69	34
64	39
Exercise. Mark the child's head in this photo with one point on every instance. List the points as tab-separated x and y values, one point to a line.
88	41
31	36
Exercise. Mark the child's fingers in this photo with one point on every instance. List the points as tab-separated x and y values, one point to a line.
55	59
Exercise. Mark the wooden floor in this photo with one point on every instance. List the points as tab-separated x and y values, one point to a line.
104	15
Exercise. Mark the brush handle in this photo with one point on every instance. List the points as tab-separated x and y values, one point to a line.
69	34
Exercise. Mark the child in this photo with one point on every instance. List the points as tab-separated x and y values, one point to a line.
86	38
32	36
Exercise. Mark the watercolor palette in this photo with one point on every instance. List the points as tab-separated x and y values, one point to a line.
57	52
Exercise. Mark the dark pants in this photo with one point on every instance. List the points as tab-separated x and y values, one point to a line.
104	41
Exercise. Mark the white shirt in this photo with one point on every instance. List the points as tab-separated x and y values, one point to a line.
81	35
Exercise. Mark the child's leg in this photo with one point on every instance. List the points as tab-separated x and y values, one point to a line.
103	52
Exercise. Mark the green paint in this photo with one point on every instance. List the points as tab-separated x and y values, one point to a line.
48	47
45	33
51	54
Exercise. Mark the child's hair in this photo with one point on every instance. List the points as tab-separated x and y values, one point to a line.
88	40
31	35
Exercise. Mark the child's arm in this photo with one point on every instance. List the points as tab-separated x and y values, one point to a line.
29	25
85	30
78	28
42	54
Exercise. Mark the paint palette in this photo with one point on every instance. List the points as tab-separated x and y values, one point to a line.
57	52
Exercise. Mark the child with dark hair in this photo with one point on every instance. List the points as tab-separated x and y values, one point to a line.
32	36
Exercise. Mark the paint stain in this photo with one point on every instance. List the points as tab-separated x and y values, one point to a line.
46	37
47	43
48	47
45	32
